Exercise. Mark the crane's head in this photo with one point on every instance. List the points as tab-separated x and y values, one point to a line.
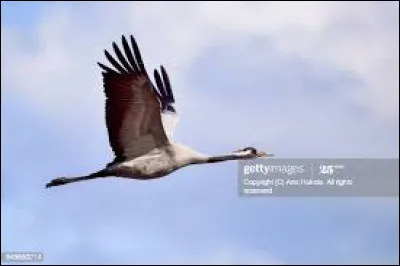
252	153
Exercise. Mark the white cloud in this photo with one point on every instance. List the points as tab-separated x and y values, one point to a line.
61	71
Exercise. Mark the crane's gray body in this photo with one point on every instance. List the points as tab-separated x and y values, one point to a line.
157	163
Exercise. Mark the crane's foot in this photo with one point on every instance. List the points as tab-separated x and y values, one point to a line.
57	182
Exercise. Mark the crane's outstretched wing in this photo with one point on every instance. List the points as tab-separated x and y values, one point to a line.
133	104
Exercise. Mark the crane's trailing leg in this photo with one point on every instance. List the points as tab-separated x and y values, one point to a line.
66	180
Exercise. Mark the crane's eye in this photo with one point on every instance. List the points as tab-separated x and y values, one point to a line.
251	149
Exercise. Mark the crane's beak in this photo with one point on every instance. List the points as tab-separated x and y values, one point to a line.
265	154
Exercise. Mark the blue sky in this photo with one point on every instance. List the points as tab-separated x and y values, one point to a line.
295	79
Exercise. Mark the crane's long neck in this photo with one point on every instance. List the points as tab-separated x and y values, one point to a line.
186	155
218	158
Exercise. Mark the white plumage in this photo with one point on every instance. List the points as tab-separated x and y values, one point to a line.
169	120
141	118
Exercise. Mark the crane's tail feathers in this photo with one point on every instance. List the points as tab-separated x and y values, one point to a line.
66	180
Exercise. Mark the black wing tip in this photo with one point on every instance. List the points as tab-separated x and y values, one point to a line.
170	109
123	38
134	63
167	85
157	78
138	55
159	88
164	92
101	66
106	69
132	38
